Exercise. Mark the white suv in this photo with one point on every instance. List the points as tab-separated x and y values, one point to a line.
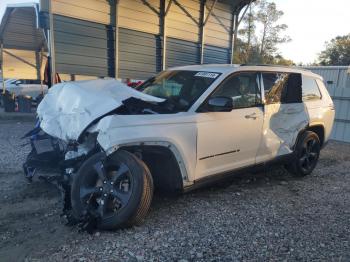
185	127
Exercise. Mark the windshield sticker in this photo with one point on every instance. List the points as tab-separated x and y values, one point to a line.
207	74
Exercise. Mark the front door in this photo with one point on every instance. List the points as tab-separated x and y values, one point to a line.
230	140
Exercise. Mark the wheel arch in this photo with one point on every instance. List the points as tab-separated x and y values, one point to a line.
318	128
165	162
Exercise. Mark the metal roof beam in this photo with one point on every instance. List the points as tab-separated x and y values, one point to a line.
186	12
210	11
168	7
20	59
150	7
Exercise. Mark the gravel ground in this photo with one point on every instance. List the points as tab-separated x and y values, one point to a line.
254	217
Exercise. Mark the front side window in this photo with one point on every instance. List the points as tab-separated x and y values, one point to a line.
310	89
182	88
243	88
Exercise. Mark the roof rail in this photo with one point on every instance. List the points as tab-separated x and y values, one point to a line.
274	65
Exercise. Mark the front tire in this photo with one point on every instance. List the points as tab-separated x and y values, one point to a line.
306	154
116	190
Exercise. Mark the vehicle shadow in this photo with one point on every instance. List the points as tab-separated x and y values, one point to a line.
264	179
234	183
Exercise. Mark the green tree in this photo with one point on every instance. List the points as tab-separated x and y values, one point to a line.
337	52
280	60
261	47
271	33
248	33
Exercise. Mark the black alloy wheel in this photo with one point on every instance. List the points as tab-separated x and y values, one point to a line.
108	190
309	155
306	154
116	190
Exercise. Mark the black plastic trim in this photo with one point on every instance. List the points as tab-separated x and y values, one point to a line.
202	182
220	154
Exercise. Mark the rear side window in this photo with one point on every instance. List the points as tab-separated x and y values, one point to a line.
310	89
274	84
282	87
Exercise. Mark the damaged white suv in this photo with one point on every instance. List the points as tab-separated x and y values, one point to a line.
185	127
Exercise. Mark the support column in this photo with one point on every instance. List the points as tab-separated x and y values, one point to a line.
40	67
52	45
116	40
234	35
201	30
164	10
203	21
2	67
37	64
162	31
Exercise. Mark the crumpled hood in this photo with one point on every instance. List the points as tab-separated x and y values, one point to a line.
68	108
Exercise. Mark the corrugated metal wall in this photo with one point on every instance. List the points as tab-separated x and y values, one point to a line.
22	41
20	64
337	80
341	99
84	38
97	11
218	27
139	41
334	76
83	47
183	20
21	32
181	52
139	15
216	55
138	57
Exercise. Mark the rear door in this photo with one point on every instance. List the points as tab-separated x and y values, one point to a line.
285	114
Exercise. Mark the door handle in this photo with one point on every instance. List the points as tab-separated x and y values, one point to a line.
251	116
291	111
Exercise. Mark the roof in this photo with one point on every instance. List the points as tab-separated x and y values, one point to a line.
327	67
227	68
239	4
19	28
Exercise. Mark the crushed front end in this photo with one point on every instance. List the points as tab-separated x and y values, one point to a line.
65	137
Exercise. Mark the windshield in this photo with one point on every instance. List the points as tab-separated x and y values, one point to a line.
181	88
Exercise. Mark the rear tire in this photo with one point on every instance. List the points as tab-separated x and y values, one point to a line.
117	190
306	154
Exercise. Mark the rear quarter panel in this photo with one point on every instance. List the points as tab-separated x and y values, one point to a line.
322	112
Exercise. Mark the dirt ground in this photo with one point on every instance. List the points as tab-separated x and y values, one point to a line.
254	217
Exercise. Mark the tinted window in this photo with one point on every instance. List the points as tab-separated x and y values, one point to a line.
182	88
310	89
243	88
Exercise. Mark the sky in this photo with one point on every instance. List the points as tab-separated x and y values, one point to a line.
310	24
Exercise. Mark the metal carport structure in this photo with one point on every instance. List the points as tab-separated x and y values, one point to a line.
127	38
22	42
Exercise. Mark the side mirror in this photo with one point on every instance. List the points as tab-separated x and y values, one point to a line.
18	82
220	104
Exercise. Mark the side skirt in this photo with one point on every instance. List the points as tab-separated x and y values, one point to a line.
202	182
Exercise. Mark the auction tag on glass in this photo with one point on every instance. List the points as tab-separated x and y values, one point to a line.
207	74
